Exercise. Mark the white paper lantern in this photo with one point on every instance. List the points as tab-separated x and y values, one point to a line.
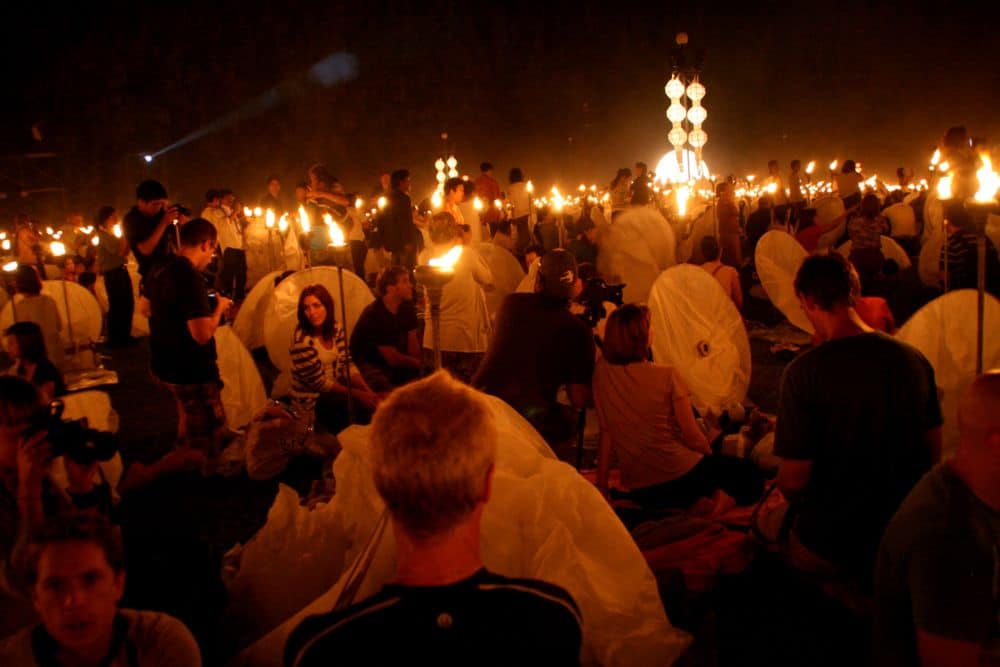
698	138
697	115
674	89
677	137
676	113
696	91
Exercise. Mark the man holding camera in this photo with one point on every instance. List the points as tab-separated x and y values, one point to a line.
182	326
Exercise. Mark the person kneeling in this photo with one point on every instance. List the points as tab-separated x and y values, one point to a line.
645	413
433	448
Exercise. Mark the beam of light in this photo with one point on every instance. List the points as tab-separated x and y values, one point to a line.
331	70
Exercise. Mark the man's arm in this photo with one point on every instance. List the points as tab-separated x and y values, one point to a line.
203	328
148	245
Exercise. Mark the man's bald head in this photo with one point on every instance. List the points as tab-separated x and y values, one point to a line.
979	410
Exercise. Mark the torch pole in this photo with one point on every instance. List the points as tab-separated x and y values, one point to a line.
981	291
343	322
69	318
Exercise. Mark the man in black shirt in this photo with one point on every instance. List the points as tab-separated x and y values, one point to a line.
443	607
758	224
858	425
181	337
384	342
400	236
539	346
146	227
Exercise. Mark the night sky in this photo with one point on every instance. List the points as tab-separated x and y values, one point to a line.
568	93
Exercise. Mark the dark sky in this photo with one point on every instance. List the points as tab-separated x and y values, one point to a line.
569	93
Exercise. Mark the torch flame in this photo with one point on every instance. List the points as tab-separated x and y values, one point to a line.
10	267
447	261
247	212
269	219
833	165
6	244
529	186
57	248
304	220
944	166
95	241
683	193
810	166
257	212
283	223
382	201
944	188
989	183
336	234
477	204
358	203
936	157
117	230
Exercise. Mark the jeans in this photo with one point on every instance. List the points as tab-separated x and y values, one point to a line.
233	276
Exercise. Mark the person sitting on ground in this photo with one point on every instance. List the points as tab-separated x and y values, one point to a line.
865	230
76	571
858	425
320	364
584	246
646	416
30	305
384	342
465	319
526	365
935	584
727	276
532	254
433	449
26	346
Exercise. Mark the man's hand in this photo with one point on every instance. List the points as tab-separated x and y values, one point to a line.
224	305
34	459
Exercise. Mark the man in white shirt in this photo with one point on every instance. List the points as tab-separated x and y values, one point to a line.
232	280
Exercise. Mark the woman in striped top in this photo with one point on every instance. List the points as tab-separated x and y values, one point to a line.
320	364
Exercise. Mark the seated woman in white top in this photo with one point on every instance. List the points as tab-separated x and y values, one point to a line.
645	414
465	318
320	365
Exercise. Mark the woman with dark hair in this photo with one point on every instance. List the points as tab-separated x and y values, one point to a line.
30	305
25	344
848	182
645	413
621	188
320	364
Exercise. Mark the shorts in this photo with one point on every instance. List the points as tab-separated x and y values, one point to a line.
203	417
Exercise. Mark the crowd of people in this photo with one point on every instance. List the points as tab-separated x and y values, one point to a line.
861	496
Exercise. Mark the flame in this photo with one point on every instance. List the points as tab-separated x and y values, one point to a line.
498	204
257	212
336	234
750	178
683	193
989	183
57	248
382	201
358	203
772	188
10	267
117	230
810	166
529	186
833	165
944	166
477	204
935	158
447	261
95	241
436	199
247	212
304	220
48	230
269	219
944	188
283	223
6	244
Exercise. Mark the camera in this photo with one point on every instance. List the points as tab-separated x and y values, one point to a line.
595	293
72	439
213	299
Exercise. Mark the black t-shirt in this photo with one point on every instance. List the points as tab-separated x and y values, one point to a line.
486	619
537	347
377	327
640	192
396	222
757	225
178	293
858	408
583	251
137	228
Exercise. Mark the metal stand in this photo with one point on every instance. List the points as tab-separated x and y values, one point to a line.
433	281
980	212
341	254
69	317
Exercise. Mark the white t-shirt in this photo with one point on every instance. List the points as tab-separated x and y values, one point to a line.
517	194
229	234
465	319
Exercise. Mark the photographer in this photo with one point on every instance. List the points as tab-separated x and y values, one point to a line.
525	366
182	348
29	493
146	228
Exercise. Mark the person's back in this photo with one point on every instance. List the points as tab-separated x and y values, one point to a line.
857	407
538	346
43	311
485	619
